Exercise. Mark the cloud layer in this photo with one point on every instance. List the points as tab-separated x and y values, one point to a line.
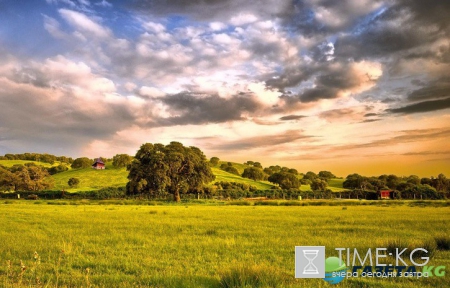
227	75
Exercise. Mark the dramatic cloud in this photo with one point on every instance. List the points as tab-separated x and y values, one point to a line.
263	141
421	107
235	77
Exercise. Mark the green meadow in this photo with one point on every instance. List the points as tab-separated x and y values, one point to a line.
213	244
91	179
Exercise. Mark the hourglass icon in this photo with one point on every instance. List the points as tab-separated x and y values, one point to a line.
310	268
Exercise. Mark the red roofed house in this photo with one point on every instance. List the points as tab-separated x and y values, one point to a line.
99	164
385	194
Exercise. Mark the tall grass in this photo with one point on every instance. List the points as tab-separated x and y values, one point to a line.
202	246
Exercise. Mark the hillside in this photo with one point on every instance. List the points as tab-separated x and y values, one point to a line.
228	177
10	163
91	179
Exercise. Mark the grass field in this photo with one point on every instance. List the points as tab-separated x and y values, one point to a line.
92	179
10	163
191	245
228	177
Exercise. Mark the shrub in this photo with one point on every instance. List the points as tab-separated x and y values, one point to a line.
73	182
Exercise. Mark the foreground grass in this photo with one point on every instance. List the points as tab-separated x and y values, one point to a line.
197	245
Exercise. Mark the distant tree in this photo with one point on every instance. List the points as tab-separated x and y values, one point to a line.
122	160
82	162
392	181
257	165
426	181
310	175
441	183
223	166
229	164
268	171
326	175
284	169
354	181
253	173
57	169
28	177
249	163
285	180
173	168
73	182
214	161
276	168
232	170
293	171
319	185
413	179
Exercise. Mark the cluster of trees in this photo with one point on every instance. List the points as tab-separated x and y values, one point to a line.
174	168
228	167
403	187
118	161
224	185
28	177
46	158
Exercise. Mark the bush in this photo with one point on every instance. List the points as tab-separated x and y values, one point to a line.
73	182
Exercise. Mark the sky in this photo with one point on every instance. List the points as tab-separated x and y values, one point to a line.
351	86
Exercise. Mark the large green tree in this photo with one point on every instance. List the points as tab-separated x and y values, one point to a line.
171	168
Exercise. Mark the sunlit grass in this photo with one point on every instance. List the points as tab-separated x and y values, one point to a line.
198	245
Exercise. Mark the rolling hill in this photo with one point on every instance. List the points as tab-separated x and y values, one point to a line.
91	179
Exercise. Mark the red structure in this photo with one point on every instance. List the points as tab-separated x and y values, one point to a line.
98	164
385	194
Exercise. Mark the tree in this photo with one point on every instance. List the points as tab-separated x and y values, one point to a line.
257	165
27	177
253	173
57	169
73	182
122	160
214	161
326	175
232	170
82	162
173	168
319	185
285	180
310	176
293	171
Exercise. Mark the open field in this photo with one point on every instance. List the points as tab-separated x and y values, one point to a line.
191	245
91	179
10	163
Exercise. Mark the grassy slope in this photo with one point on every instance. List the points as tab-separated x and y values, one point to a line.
10	163
194	246
228	177
91	179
